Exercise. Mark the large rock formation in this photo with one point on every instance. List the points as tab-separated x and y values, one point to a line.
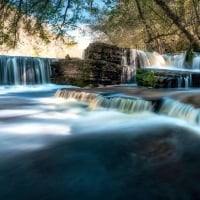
106	64
102	51
88	72
101	66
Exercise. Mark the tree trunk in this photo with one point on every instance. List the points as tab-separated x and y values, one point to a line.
193	39
147	27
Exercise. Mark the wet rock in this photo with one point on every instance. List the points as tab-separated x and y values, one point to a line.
101	66
103	51
82	73
164	78
192	99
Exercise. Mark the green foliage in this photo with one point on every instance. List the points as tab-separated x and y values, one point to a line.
159	25
189	56
36	16
146	77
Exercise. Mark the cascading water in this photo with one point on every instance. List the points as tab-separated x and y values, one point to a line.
54	148
15	70
177	109
132	104
133	59
196	62
140	59
175	60
184	81
80	96
123	104
182	70
127	105
129	63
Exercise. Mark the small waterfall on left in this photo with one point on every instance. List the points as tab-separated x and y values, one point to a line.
18	70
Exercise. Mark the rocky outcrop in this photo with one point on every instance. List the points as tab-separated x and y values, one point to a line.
106	64
102	51
86	72
101	66
164	78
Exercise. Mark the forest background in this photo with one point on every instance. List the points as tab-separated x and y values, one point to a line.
153	25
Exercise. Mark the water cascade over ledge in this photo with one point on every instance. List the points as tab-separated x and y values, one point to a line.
132	104
124	104
180	110
17	70
167	66
113	142
55	148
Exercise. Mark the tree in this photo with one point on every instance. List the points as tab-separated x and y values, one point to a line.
193	37
37	17
159	25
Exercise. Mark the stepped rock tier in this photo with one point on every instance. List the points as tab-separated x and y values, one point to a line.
106	64
102	51
178	103
166	78
86	72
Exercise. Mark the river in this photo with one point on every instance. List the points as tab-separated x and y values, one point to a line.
58	148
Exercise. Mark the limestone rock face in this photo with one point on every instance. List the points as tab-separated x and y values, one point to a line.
102	51
86	72
101	66
162	78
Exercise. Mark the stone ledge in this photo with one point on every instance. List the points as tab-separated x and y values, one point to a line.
86	72
166	78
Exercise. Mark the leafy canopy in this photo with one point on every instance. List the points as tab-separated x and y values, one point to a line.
36	17
160	25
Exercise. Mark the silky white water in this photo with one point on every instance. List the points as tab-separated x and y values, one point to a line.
32	118
61	148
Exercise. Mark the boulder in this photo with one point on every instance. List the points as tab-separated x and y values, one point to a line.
103	51
86	72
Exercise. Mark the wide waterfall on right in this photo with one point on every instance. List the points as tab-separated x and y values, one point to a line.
183	73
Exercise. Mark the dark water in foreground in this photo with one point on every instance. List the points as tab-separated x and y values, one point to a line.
57	149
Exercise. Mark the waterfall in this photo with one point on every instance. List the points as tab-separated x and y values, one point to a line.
180	80
131	104
184	81
17	70
129	63
180	110
123	104
176	60
196	62
79	96
138	59
133	59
